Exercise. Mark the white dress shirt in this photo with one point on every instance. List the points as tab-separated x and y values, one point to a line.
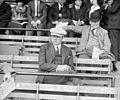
59	47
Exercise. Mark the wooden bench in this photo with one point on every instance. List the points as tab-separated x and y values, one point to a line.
92	66
15	89
30	45
30	65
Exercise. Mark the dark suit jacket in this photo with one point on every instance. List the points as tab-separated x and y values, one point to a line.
5	14
42	12
54	12
47	55
78	14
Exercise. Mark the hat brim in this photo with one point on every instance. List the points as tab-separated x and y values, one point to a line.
56	34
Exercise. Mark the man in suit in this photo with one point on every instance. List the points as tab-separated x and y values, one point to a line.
5	15
59	11
36	13
93	36
56	58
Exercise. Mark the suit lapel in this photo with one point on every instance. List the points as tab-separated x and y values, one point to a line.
63	53
51	52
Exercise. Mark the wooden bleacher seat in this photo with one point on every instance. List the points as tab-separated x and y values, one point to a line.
10	44
30	45
101	66
92	66
15	89
9	50
29	64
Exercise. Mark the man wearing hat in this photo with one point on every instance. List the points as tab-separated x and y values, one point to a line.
56	58
93	36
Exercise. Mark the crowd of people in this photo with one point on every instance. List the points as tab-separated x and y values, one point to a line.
96	22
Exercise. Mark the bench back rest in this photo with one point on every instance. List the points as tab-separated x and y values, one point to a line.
30	64
30	45
63	92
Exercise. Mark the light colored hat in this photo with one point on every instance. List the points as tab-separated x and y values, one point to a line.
58	31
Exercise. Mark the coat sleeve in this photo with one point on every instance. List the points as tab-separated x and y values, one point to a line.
77	29
106	42
71	61
29	13
44	14
43	65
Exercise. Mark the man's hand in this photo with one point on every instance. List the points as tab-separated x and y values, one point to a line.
101	52
34	23
7	76
63	68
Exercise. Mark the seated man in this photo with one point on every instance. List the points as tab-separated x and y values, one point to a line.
56	58
37	15
19	18
58	12
93	36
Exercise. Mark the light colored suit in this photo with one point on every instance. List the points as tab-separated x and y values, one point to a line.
103	38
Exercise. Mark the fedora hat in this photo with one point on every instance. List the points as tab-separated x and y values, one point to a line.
95	16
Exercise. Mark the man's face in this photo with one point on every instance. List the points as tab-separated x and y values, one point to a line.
56	40
94	24
1	1
78	2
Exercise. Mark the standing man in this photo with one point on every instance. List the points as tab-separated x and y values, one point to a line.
114	26
5	15
56	58
37	15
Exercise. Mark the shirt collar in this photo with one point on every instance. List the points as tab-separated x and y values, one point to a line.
59	46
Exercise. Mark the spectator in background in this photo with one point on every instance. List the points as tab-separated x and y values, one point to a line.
5	15
59	11
92	6
37	17
56	58
78	11
113	7
19	18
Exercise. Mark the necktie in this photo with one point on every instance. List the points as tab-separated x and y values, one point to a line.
93	32
57	50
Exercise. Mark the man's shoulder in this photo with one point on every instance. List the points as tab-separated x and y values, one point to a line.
46	45
103	30
66	47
